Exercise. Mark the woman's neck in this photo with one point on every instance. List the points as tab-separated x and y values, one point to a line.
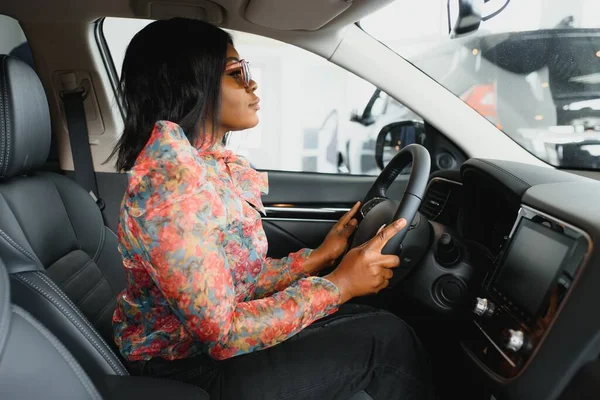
206	131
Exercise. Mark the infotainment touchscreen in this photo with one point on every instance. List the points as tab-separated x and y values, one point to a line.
533	260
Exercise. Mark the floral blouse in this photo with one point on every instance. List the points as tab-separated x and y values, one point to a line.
194	251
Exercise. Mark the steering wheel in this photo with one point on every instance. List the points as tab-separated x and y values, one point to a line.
377	209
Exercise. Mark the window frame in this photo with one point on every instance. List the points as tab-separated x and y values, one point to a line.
108	62
377	94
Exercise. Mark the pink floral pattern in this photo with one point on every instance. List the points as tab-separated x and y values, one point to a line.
194	251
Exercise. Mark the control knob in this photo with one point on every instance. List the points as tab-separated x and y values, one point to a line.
448	253
484	307
516	340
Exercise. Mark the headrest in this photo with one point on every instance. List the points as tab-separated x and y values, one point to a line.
24	119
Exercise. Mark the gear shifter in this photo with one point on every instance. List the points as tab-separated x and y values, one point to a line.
448	253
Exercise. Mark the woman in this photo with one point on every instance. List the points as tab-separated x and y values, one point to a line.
203	303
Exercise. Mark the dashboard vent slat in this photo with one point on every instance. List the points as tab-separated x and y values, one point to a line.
436	198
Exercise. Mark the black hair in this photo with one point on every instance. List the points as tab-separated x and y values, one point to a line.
172	71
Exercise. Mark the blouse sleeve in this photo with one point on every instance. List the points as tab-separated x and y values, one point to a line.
278	274
185	248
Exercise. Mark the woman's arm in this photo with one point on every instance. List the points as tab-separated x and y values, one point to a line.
184	245
278	274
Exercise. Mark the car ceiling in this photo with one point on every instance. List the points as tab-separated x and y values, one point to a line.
257	16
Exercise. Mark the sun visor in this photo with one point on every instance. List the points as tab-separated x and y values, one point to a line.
164	9
291	15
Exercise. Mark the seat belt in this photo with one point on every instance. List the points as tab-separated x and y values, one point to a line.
85	175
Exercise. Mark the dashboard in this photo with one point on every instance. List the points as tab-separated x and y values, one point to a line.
530	271
488	211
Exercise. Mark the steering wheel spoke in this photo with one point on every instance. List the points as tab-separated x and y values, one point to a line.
369	204
377	209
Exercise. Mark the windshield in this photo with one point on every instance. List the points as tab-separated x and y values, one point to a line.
533	70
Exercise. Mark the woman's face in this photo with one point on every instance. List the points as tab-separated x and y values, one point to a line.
239	104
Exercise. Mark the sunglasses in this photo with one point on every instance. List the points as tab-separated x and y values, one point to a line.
243	68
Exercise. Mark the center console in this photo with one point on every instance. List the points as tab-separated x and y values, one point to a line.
520	298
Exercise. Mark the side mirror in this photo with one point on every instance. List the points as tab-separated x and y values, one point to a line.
394	137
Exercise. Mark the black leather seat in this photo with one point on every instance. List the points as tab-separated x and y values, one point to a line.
34	364
63	261
65	270
52	237
28	350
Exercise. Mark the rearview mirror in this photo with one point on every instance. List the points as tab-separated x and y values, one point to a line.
470	14
394	137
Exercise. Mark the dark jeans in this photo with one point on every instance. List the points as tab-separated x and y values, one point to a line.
357	348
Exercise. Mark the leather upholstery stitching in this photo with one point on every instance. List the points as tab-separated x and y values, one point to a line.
3	118
63	296
97	317
92	290
111	231
5	126
7	117
100	243
64	206
4	307
102	234
87	384
76	274
16	246
74	321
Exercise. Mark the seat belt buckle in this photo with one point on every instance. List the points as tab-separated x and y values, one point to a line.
69	85
99	202
79	90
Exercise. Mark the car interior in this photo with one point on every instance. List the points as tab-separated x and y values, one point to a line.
498	266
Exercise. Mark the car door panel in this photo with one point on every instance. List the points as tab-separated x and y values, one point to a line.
332	190
302	207
287	236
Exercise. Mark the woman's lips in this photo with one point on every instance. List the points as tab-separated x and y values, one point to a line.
255	105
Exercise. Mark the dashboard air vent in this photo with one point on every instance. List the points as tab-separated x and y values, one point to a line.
437	197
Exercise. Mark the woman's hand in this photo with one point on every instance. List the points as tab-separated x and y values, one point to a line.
336	241
364	270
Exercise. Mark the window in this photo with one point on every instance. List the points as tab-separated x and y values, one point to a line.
315	116
532	69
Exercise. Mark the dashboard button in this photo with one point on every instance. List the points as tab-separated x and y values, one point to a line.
516	339
484	307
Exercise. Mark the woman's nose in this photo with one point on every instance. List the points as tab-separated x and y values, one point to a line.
252	86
